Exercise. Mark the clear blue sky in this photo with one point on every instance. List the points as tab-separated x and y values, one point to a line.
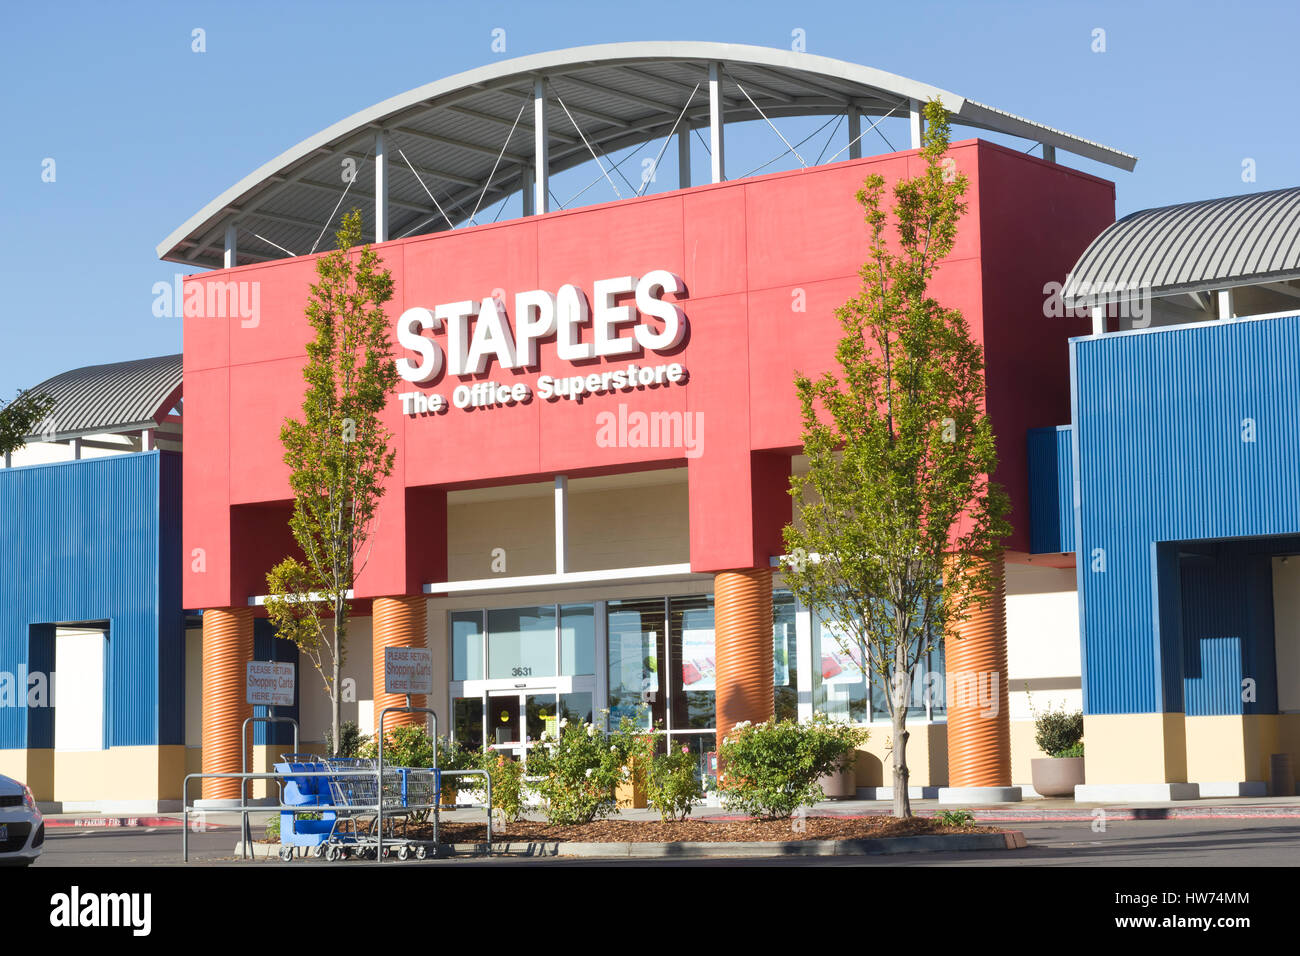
144	132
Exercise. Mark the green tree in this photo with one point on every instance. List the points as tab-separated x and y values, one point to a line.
22	417
899	524
339	455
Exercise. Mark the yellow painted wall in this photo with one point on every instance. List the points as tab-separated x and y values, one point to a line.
35	768
1134	748
119	773
1232	748
927	755
1023	750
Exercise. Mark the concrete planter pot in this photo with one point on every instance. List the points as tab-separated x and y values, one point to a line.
1056	776
840	784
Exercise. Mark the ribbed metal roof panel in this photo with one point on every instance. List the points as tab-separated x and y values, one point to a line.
106	398
620	94
1191	247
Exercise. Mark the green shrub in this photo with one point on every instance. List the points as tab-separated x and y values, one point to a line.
407	745
674	785
956	818
273	828
351	740
507	783
1058	733
771	769
453	756
580	771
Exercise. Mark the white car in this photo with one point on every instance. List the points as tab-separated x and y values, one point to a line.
22	828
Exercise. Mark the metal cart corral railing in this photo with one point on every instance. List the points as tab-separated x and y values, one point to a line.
379	819
244	809
243	757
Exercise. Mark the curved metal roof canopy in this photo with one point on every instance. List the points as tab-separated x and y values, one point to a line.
123	396
1192	247
468	140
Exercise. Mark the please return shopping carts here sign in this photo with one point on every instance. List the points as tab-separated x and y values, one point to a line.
408	670
270	683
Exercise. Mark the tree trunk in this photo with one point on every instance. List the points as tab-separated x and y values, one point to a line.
902	801
901	692
336	690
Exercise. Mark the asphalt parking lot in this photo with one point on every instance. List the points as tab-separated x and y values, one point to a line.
1258	842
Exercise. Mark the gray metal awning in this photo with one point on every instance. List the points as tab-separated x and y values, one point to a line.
470	141
1191	247
120	397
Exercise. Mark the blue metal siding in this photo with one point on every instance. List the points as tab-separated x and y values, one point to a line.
81	541
1159	420
1227	611
1051	490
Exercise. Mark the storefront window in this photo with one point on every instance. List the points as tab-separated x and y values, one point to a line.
467	721
785	657
839	679
578	639
635	632
693	674
521	642
467	645
576	707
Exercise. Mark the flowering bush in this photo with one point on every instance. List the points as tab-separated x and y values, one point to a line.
507	783
580	771
407	745
674	783
771	769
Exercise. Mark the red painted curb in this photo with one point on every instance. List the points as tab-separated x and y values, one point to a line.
103	823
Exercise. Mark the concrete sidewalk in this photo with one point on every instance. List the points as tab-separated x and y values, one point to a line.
1062	810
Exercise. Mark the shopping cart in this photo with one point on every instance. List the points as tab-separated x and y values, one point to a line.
407	791
305	828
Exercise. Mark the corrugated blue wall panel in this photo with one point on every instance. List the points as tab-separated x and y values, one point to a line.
1227	613
80	541
1051	490
1180	434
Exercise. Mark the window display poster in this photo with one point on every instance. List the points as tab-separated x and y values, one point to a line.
841	658
698	670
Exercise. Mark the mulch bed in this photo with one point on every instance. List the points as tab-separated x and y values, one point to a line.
694	831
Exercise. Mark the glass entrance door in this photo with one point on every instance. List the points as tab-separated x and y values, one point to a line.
516	719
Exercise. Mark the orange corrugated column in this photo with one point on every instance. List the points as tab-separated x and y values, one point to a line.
227	648
742	627
979	723
397	622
